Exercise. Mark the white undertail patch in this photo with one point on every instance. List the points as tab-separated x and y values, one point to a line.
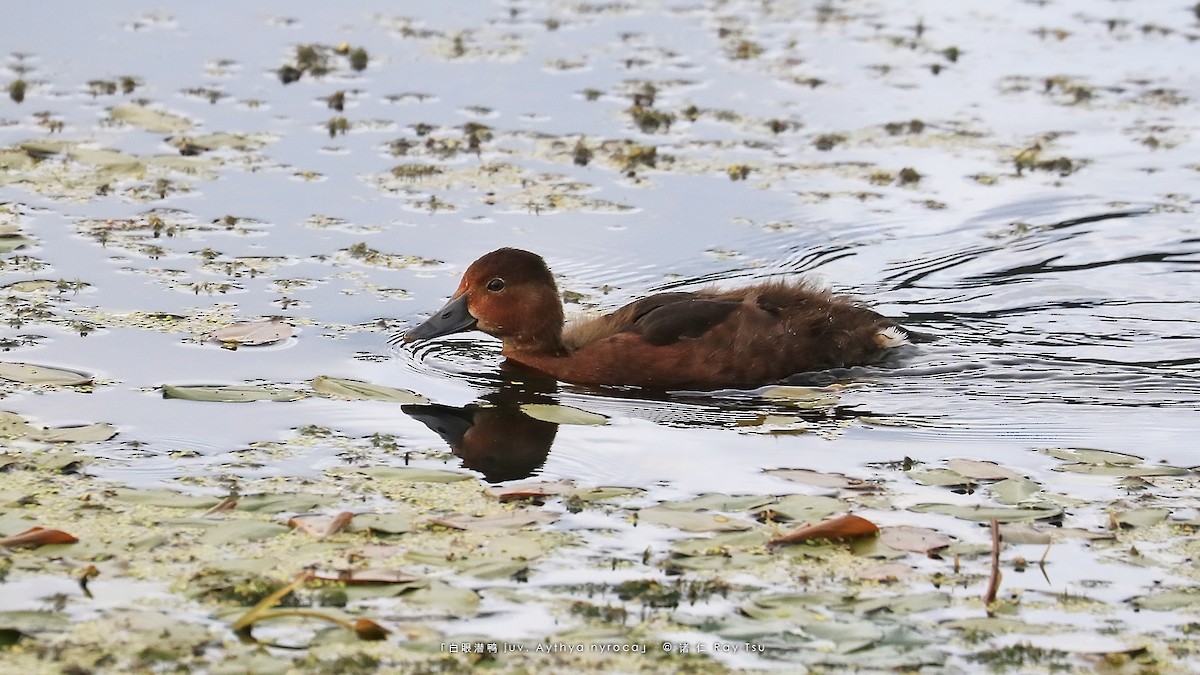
892	336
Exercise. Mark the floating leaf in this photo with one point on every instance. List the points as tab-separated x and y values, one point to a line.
987	513
562	414
887	572
938	477
149	119
1122	470
12	242
165	498
236	531
445	599
279	503
252	333
996	625
980	470
1023	533
13	425
321	526
356	390
691	521
230	393
828	480
373	575
112	160
534	489
27	373
509	520
86	433
844	527
37	536
802	508
387	523
715	501
1142	517
1169	600
849	636
1089	456
407	474
1014	490
790	606
601	493
916	539
801	397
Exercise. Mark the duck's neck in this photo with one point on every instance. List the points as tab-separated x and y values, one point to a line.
540	343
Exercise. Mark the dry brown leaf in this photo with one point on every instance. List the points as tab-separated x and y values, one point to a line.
844	527
37	536
367	629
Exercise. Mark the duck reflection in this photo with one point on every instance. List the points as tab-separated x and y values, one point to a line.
494	437
498	439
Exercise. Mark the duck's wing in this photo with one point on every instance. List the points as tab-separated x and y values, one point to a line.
660	319
666	318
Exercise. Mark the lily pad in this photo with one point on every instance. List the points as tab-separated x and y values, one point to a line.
916	539
508	520
692	521
1014	490
1142	517
980	470
1122	470
802	508
715	501
827	480
149	119
13	425
233	531
938	477
164	498
12	242
801	397
562	414
387	523
85	433
28	373
230	393
987	513
407	474
356	391
1090	456
252	333
1169	600
444	599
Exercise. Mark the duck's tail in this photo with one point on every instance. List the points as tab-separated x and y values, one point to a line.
892	336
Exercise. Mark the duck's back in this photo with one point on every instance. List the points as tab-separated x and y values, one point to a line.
743	337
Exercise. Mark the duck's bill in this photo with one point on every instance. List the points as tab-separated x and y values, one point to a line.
453	318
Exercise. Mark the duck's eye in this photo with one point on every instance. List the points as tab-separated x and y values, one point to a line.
496	284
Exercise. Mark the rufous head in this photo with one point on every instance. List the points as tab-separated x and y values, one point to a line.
509	294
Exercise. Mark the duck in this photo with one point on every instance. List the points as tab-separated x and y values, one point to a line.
711	339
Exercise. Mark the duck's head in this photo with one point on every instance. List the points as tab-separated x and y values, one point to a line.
509	294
